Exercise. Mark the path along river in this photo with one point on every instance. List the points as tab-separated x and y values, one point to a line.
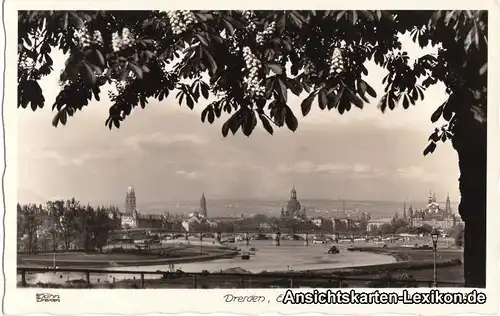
290	255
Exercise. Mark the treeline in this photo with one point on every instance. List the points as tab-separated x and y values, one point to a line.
398	226
64	225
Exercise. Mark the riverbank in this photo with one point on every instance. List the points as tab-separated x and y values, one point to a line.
160	256
410	263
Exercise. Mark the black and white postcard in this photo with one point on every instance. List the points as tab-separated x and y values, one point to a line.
203	158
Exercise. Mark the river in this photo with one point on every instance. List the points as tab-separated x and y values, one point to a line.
290	255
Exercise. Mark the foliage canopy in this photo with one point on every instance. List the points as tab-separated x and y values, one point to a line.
250	62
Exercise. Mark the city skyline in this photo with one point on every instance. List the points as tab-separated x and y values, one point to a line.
168	154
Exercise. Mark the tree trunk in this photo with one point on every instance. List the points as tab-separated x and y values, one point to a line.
470	142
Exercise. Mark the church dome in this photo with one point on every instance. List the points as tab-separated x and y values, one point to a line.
292	206
130	189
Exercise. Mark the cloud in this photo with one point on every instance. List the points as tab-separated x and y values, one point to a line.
187	174
66	159
415	173
159	139
307	166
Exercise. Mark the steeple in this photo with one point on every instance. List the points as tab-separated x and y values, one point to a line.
130	200
203	205
404	213
448	204
293	194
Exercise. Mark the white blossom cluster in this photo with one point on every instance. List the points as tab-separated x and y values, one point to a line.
247	16
308	66
121	42
181	20
220	94
336	62
270	29
85	40
26	63
251	80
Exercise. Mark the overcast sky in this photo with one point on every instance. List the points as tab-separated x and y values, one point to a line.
167	154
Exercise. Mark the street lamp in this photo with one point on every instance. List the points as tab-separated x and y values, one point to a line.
435	237
201	243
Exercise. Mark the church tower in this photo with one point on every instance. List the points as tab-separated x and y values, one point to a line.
410	216
293	208
130	201
405	218
203	205
448	205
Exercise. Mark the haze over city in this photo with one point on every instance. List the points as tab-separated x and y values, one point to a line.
168	155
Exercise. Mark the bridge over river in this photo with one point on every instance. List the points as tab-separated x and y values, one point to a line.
245	235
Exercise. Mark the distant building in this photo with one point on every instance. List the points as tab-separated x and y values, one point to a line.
198	220
374	224
432	212
129	216
292	209
318	221
203	206
130	201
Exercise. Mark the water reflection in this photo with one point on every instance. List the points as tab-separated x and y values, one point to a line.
291	255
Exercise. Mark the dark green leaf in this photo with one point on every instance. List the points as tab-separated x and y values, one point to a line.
322	99
76	20
334	99
225	128
430	148
370	90
233	123
204	90
265	122
295	86
434	136
124	73
204	113
277	69
211	116
355	99
448	110
100	57
420	92
291	120
307	103
135	69
89	74
306	87
295	20
249	123
443	137
229	27
282	90
280	26
437	114
201	39
392	102
406	103
211	61
189	101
